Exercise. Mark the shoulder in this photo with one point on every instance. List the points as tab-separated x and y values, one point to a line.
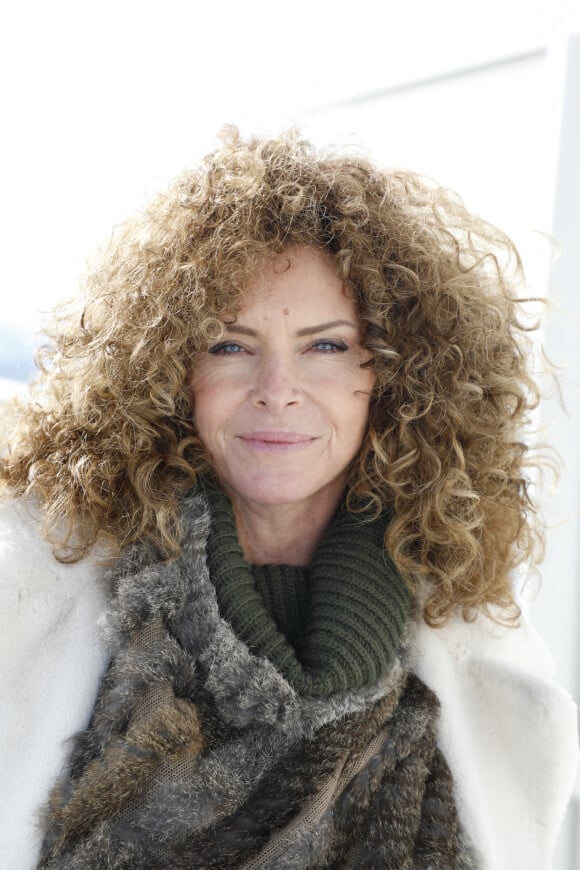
52	661
508	731
38	591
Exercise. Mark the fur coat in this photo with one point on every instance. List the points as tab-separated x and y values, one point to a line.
507	732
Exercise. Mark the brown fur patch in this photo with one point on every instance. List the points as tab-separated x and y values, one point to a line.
120	775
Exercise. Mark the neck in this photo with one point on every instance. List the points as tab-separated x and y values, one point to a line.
286	534
346	610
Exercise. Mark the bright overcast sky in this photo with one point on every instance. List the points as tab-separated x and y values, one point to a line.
103	101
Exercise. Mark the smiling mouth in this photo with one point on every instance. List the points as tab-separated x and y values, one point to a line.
276	441
277	437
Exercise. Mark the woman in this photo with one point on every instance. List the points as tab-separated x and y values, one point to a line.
278	457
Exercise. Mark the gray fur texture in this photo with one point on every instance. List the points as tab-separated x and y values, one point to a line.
198	751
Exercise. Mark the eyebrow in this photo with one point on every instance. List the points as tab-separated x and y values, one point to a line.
307	330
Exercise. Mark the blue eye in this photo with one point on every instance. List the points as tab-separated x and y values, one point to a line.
328	346
226	347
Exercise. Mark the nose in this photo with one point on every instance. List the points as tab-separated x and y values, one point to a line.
276	384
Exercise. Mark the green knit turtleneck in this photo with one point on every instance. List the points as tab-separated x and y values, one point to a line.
327	628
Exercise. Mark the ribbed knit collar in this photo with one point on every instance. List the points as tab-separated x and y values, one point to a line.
337	625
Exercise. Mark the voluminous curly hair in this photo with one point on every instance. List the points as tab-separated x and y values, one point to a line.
109	447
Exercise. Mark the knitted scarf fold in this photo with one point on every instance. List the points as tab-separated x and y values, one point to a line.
356	602
201	753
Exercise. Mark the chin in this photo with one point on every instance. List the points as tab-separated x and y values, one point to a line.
284	490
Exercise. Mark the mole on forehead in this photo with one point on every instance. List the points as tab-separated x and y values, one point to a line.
286	311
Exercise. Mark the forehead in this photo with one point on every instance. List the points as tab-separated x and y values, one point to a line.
299	278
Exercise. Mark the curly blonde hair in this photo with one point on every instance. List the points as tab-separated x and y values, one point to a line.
110	445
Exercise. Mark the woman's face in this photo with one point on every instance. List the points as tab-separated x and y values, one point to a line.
281	401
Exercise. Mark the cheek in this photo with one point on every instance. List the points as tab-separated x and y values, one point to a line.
345	393
342	373
215	401
361	401
360	386
368	380
348	408
203	407
209	426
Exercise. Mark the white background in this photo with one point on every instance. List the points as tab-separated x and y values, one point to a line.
103	101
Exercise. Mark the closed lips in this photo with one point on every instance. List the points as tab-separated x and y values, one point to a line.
277	437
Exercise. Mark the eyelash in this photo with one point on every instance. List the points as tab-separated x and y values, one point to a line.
221	348
335	346
332	347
